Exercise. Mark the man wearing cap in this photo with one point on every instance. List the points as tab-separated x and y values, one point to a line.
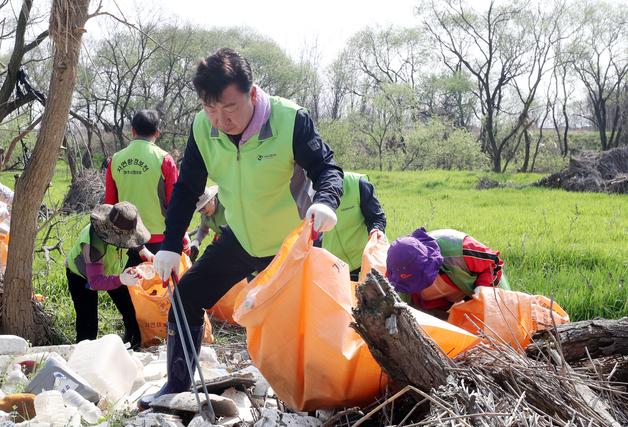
273	170
97	262
439	268
212	218
143	174
360	215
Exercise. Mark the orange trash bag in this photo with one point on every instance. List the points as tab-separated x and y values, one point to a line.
223	309
509	317
152	303
4	251
297	314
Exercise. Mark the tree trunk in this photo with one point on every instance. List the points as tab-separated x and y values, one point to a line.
394	338
526	150
70	156
67	20
600	337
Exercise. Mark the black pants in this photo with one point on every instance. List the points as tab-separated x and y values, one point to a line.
86	307
355	274
223	264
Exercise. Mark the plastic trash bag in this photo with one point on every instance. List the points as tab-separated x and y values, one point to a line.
509	317
152	303
297	314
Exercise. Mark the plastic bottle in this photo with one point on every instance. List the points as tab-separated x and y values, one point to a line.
50	408
15	380
72	398
90	412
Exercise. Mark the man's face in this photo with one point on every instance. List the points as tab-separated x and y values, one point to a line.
233	111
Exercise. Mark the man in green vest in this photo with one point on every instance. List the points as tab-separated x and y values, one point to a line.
273	170
212	218
144	175
359	216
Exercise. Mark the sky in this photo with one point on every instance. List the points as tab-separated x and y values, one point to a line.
326	24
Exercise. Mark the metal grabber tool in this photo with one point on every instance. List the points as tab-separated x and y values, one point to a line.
182	323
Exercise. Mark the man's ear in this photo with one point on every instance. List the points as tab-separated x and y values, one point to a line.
253	95
133	133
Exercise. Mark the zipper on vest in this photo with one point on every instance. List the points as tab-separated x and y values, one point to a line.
244	213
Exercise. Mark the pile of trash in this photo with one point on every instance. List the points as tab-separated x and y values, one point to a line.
605	171
99	382
86	192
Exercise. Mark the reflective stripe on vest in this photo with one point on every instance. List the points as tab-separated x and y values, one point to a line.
114	259
349	237
136	171
264	192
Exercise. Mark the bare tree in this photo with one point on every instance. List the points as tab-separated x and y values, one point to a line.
562	92
599	59
120	59
10	100
67	25
505	49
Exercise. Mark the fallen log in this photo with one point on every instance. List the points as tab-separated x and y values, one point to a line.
389	329
598	337
492	384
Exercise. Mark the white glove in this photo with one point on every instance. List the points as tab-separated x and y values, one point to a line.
130	277
324	217
166	262
146	255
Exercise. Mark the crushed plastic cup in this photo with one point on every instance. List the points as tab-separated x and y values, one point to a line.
146	270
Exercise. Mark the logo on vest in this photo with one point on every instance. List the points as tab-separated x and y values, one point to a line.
122	167
266	157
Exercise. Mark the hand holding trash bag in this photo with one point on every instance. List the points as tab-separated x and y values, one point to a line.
166	262
323	216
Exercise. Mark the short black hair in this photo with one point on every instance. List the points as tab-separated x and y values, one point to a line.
145	123
218	71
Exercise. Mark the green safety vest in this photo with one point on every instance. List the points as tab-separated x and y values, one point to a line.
136	171
255	178
349	237
114	259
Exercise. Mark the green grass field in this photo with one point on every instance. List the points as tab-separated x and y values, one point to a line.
571	246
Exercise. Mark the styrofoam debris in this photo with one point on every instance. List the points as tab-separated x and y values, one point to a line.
155	370
12	344
208	355
274	418
261	385
143	357
242	402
